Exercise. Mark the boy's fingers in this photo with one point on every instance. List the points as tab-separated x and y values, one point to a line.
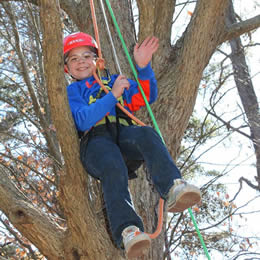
120	77
151	42
154	44
136	46
146	41
154	41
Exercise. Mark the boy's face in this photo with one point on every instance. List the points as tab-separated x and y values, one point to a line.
80	62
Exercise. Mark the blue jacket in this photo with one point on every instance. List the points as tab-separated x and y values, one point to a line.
89	104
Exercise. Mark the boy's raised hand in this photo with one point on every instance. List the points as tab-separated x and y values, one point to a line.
143	53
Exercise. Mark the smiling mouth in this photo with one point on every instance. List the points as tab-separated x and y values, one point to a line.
83	68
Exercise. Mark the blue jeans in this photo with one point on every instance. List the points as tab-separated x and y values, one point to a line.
104	159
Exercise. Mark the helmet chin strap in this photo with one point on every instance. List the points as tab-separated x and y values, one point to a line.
74	77
68	72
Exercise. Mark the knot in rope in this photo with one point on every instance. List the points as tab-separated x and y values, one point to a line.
100	63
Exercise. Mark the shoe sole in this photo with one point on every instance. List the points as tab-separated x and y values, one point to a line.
138	246
185	200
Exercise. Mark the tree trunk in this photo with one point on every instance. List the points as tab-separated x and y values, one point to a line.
85	238
246	93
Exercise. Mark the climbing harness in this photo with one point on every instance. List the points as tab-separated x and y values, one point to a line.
100	66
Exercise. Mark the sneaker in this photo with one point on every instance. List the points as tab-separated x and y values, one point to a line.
135	242
182	196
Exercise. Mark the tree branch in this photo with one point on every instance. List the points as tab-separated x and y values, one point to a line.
29	220
25	74
21	241
229	125
237	29
249	183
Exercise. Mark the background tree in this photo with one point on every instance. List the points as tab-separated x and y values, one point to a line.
43	189
247	95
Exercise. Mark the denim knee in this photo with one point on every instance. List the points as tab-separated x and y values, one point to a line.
147	133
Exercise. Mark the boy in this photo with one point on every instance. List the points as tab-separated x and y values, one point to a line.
111	140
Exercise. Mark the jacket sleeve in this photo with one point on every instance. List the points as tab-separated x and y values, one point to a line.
86	116
133	98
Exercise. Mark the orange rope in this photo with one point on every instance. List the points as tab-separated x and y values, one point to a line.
100	64
160	221
92	7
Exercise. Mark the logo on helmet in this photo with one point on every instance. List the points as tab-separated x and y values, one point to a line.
75	41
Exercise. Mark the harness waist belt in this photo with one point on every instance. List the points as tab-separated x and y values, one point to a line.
112	119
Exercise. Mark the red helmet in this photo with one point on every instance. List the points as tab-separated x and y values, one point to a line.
78	39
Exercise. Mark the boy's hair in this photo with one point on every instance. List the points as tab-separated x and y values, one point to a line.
94	50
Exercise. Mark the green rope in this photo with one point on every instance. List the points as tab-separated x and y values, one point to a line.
199	234
149	110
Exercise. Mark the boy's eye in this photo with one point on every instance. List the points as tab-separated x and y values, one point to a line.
87	56
73	59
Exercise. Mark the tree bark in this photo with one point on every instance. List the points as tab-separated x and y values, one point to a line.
29	220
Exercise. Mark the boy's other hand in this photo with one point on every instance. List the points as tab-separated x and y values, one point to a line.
143	53
120	84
